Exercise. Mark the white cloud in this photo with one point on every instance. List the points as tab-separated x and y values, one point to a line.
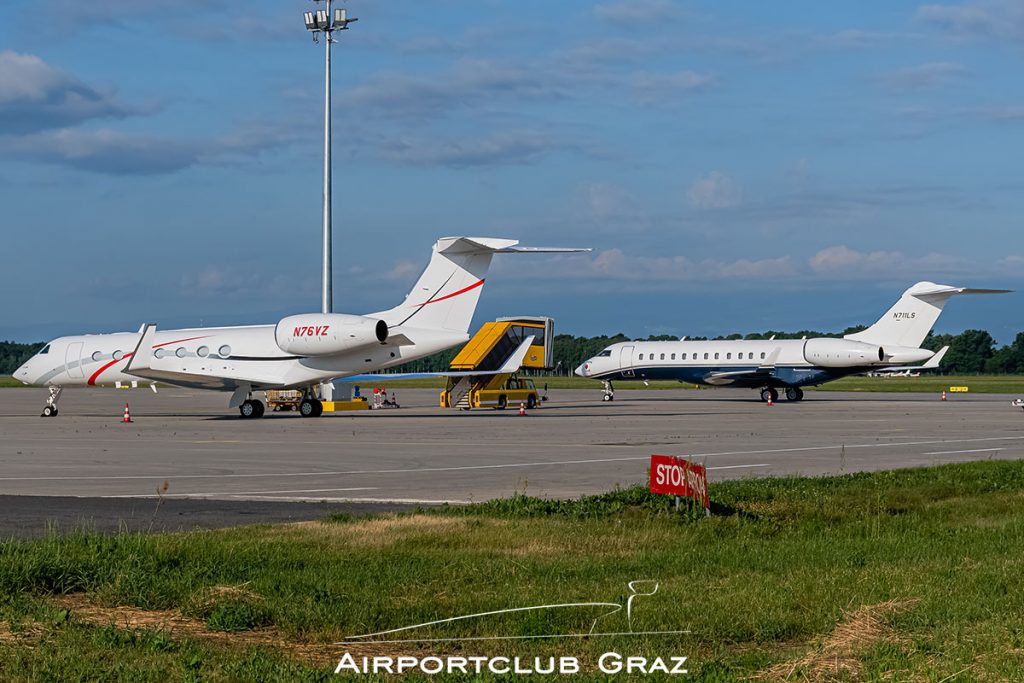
614	264
988	19
926	75
661	87
714	191
636	11
35	96
841	261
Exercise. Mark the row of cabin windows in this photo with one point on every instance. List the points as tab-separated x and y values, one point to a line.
707	356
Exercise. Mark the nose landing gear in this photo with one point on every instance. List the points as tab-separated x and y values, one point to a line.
609	391
50	409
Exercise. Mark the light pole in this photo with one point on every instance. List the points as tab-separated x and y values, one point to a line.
322	21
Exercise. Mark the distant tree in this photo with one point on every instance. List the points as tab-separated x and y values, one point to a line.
13	355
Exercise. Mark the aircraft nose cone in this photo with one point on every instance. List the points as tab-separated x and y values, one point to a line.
583	370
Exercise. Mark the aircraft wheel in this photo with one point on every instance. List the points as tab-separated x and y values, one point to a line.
608	397
49	411
794	394
310	407
769	392
531	402
260	408
248	410
502	402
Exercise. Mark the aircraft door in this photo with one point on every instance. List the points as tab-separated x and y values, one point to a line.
73	359
626	360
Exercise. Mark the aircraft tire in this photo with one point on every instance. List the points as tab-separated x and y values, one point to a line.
502	402
794	394
49	411
248	410
260	408
308	407
608	397
531	402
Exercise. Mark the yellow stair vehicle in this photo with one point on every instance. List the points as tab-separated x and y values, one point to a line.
486	352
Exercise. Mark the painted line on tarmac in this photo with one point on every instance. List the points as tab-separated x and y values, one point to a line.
769	451
257	494
973	450
307	499
246	493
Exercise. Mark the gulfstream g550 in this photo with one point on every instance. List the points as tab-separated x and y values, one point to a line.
771	365
300	351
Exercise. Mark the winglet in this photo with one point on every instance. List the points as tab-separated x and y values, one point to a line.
142	355
515	361
934	361
769	362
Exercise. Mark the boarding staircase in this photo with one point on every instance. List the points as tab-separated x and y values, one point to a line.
488	350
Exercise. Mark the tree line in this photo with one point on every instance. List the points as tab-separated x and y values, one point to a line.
971	352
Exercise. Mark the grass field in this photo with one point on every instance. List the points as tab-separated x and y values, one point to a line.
6	381
907	575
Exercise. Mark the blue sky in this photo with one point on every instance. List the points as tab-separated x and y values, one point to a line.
736	166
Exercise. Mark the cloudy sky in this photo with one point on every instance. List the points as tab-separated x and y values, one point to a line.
735	166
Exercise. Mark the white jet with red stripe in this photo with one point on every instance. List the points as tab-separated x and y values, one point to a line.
300	351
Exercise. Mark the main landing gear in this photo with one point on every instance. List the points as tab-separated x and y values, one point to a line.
792	394
251	409
311	407
50	409
609	391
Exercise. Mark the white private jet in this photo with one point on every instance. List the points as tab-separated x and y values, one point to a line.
300	351
787	364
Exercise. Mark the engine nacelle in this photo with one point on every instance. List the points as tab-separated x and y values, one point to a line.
842	353
321	334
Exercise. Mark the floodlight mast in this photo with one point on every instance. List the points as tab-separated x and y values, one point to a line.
323	21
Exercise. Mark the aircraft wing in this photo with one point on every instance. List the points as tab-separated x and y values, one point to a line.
144	365
719	378
512	364
931	364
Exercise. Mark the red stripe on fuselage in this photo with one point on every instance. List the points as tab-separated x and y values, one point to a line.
95	375
449	296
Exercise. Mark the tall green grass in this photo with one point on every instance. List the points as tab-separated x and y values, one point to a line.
779	565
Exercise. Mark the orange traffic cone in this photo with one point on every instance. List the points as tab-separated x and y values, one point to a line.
943	394
127	416
769	399
522	408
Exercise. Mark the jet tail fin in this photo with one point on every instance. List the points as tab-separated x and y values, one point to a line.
910	319
446	294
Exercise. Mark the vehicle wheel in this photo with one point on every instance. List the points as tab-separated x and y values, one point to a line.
49	411
247	410
765	393
260	408
608	397
318	408
308	407
531	402
794	394
502	402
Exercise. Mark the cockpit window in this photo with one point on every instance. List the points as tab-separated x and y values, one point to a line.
605	354
45	349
